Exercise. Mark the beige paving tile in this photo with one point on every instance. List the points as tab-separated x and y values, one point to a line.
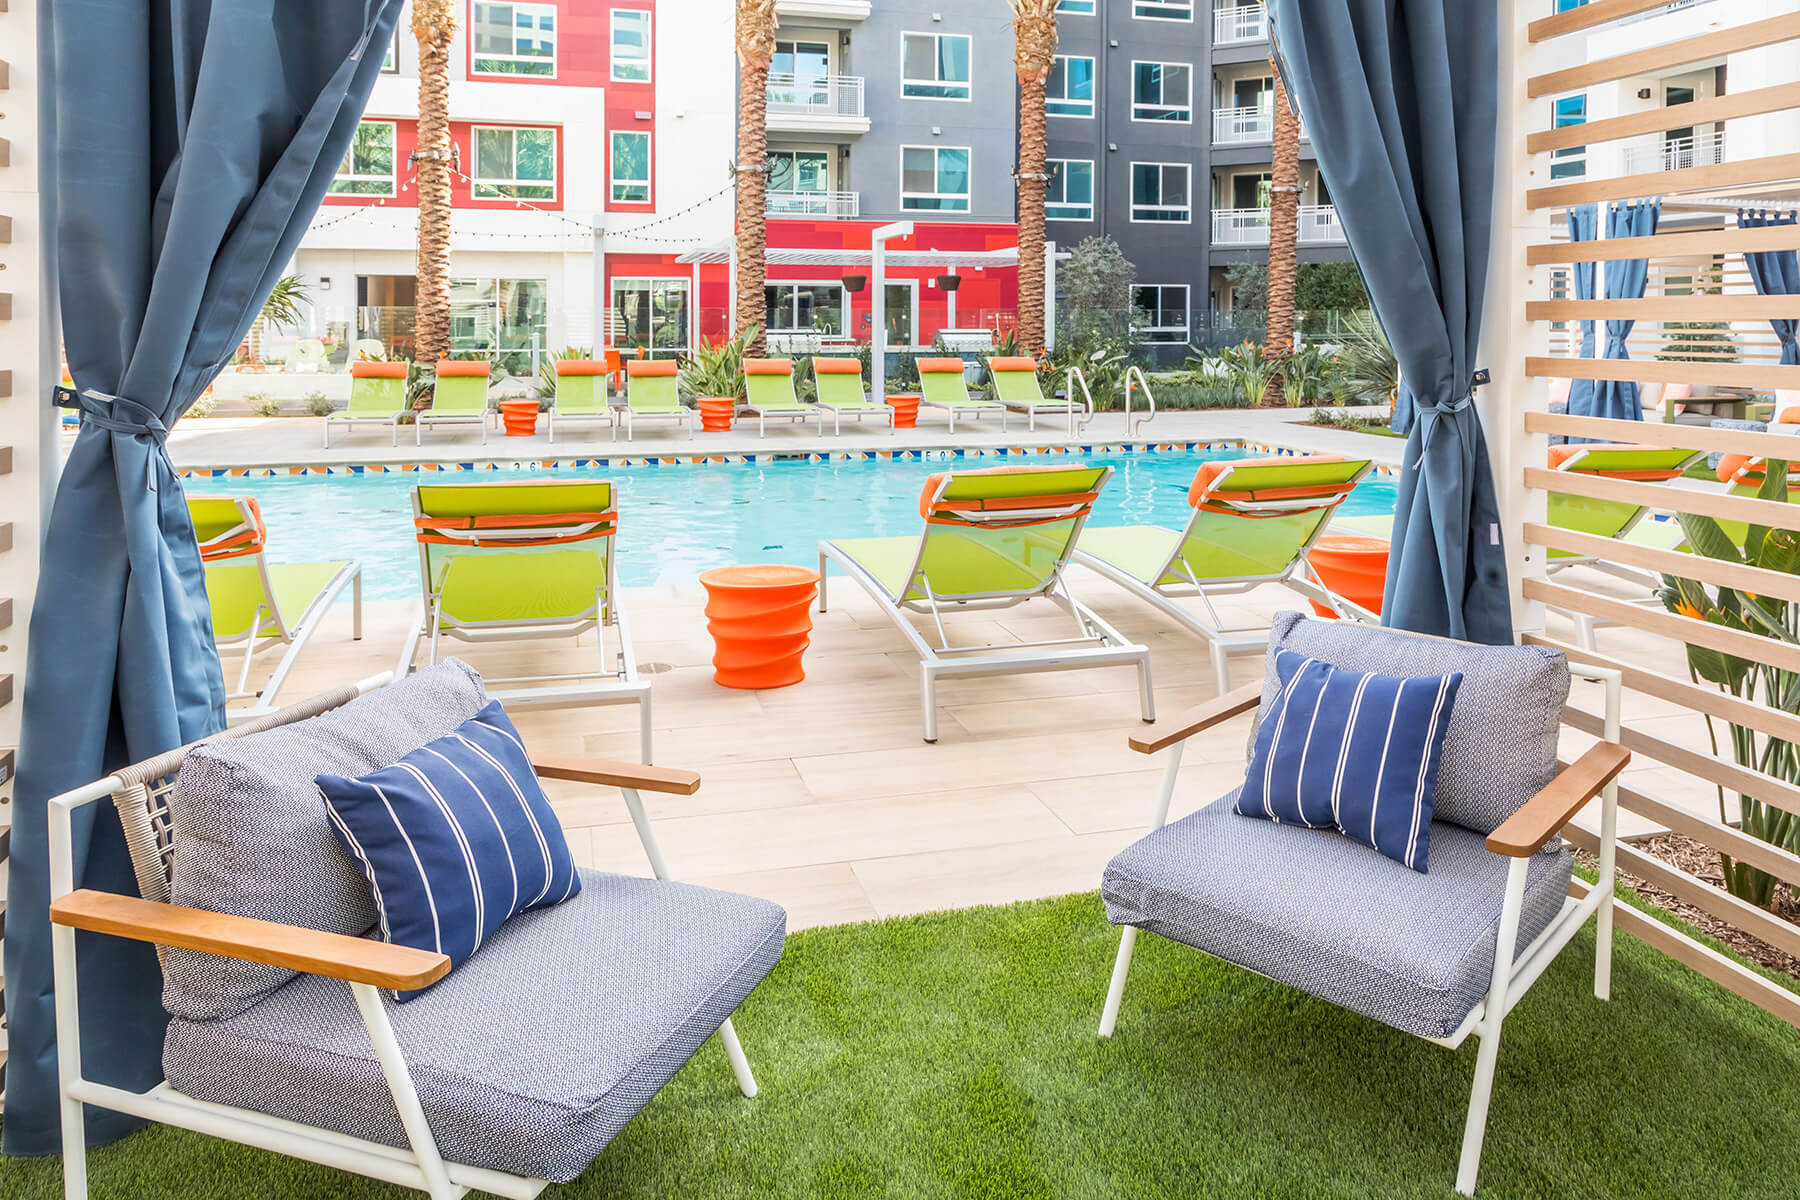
730	787
999	874
1104	803
822	895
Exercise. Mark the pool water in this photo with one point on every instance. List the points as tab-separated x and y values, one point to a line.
675	522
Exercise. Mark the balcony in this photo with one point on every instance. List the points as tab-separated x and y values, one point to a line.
1235	26
830	10
816	104
1250	226
1246	126
1674	154
837	206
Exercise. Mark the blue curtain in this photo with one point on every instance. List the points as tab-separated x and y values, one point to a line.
1775	273
1625	280
192	142
1583	223
1400	96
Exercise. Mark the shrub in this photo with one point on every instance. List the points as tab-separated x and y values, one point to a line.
318	404
264	405
1102	362
1306	376
1250	371
1367	372
718	369
203	406
1096	285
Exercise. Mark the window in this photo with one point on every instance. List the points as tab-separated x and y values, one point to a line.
815	307
650	313
506	318
1159	192
1571	162
934	66
515	164
900	303
799	171
1160	310
1162	92
1077	7
630	167
1069	92
1069	196
1566	5
514	39
390	62
630	45
1255	190
1164	10
368	166
934	178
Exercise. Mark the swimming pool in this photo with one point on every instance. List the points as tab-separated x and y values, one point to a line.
675	522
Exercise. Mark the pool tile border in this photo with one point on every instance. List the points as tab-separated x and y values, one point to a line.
598	462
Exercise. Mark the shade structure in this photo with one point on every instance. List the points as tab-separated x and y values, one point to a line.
190	146
1400	97
1584	223
1626	279
1775	273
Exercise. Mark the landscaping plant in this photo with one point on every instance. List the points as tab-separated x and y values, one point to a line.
318	404
1306	377
1250	369
718	369
264	405
1367	372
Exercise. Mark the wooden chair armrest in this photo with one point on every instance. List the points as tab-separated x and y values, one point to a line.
618	774
1204	716
358	960
1525	832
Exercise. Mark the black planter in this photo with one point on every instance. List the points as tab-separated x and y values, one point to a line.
949	282
856	283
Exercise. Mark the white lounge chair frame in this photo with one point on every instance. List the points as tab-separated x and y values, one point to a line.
884	411
1514	972
140	793
681	416
974	410
392	422
551	417
1094	644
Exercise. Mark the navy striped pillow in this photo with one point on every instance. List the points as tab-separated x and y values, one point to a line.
1354	751
454	838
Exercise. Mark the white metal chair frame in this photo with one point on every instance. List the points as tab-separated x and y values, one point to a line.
974	410
551	416
392	422
681	416
859	411
424	417
1079	413
140	794
1222	638
1514	972
809	412
1095	644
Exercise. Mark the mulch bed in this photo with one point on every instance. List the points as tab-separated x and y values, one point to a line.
1702	861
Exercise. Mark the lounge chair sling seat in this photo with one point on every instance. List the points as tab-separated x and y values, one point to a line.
234	592
840	384
532	1055
772	388
1329	916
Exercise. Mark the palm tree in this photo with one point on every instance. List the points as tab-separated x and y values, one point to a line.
434	24
280	311
755	50
1034	53
1284	233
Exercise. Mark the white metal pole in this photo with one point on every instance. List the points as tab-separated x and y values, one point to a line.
1050	298
602	300
878	240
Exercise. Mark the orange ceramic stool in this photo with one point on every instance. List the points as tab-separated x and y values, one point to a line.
520	416
1353	566
906	411
760	618
715	413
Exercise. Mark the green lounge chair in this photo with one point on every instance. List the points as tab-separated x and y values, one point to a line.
257	604
499	562
1613	518
458	398
652	393
770	384
377	397
992	539
1252	523
941	386
840	387
1016	386
580	393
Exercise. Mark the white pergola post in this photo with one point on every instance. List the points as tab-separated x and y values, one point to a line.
878	241
602	298
1049	295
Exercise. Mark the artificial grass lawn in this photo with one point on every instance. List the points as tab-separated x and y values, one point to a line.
954	1055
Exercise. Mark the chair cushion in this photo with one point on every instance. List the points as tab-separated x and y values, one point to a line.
455	838
1412	950
1353	751
533	1055
250	834
1500	747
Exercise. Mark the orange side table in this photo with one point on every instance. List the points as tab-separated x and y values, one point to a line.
520	416
1352	565
760	618
715	413
906	410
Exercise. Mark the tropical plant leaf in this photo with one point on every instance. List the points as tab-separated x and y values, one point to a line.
1705	536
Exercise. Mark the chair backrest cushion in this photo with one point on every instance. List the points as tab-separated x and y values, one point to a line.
378	370
250	834
1500	747
455	837
837	366
453	368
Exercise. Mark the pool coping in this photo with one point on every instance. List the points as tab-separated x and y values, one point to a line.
903	453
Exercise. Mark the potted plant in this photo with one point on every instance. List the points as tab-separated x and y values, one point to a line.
714	377
855	283
949	283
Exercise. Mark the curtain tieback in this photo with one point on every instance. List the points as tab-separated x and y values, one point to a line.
117	414
1434	410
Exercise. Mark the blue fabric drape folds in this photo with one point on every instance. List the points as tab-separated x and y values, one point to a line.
1583	227
1625	280
192	143
1775	273
1400	96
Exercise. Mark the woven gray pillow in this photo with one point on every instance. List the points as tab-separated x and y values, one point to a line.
250	834
1500	749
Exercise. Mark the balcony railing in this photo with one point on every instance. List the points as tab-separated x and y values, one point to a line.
1246	23
1250	226
816	95
835	205
1673	154
1240	126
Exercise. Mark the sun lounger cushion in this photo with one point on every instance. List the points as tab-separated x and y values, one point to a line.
455	838
533	1054
639	368
1012	364
837	366
768	366
931	366
251	835
1500	747
378	370
452	368
581	366
1314	910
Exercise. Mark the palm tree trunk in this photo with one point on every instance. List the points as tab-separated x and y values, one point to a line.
434	24
1034	52
755	48
1284	232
